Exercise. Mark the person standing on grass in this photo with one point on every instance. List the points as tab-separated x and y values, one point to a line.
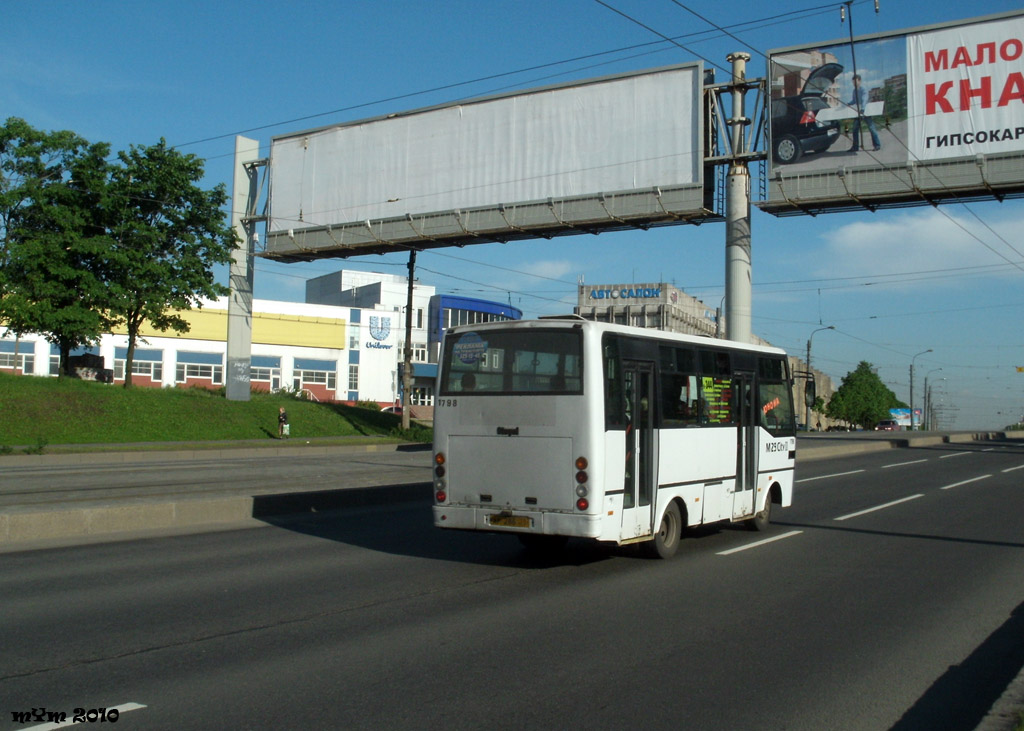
282	423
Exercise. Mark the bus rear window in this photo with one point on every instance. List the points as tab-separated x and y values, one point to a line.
519	361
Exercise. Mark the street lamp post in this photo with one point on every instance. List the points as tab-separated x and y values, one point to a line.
810	374
925	420
912	386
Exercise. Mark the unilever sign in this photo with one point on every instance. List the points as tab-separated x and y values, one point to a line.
380	330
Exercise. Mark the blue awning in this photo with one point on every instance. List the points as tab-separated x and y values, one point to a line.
420	370
140	354
310	364
24	346
200	358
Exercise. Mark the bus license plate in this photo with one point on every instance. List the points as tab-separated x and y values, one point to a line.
510	521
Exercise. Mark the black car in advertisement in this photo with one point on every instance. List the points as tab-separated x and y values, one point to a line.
796	130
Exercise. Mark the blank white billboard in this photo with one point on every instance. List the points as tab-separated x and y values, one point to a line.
895	119
606	153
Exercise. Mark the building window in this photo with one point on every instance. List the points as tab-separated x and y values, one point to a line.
264	374
419	352
323	378
26	362
422	396
453	317
148	368
212	373
353	342
353	378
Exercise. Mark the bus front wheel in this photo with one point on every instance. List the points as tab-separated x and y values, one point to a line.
666	539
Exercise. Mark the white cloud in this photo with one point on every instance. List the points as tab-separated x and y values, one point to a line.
556	269
920	242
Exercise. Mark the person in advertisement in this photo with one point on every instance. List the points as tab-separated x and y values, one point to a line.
859	102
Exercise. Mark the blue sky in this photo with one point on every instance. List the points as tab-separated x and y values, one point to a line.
893	283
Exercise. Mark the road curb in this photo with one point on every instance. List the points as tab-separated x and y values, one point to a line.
23	529
807	452
18	527
221	453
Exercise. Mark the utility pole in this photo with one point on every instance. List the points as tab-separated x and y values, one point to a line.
912	386
810	374
738	283
407	353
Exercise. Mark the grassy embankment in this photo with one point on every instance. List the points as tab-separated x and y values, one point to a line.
58	413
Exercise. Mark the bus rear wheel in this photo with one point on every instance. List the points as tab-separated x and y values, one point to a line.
761	520
666	539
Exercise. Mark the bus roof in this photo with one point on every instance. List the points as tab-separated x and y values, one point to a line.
575	321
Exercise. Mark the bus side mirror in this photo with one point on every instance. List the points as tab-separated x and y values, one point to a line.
810	393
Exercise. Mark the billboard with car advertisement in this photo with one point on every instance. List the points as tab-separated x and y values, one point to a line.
913	117
602	154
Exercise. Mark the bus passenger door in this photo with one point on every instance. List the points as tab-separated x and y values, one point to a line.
640	473
744	497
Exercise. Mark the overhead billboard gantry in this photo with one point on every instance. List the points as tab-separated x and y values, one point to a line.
612	153
922	116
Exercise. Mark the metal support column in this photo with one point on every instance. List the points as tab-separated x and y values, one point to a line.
240	278
738	283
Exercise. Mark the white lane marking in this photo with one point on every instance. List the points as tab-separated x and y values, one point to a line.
1011	469
124	708
761	543
955	454
878	507
903	464
965	482
825	477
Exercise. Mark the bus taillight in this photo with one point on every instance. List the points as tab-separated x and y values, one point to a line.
581	470
581	483
440	493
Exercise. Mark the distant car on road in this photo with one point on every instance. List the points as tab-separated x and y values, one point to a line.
796	130
888	425
392	410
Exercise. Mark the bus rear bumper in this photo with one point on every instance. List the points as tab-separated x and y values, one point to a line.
579	525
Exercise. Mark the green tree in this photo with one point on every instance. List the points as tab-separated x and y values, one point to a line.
52	236
167	234
862	399
818	407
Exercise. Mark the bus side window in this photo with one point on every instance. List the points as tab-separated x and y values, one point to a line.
678	371
614	411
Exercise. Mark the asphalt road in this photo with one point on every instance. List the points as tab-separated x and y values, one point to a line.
889	596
